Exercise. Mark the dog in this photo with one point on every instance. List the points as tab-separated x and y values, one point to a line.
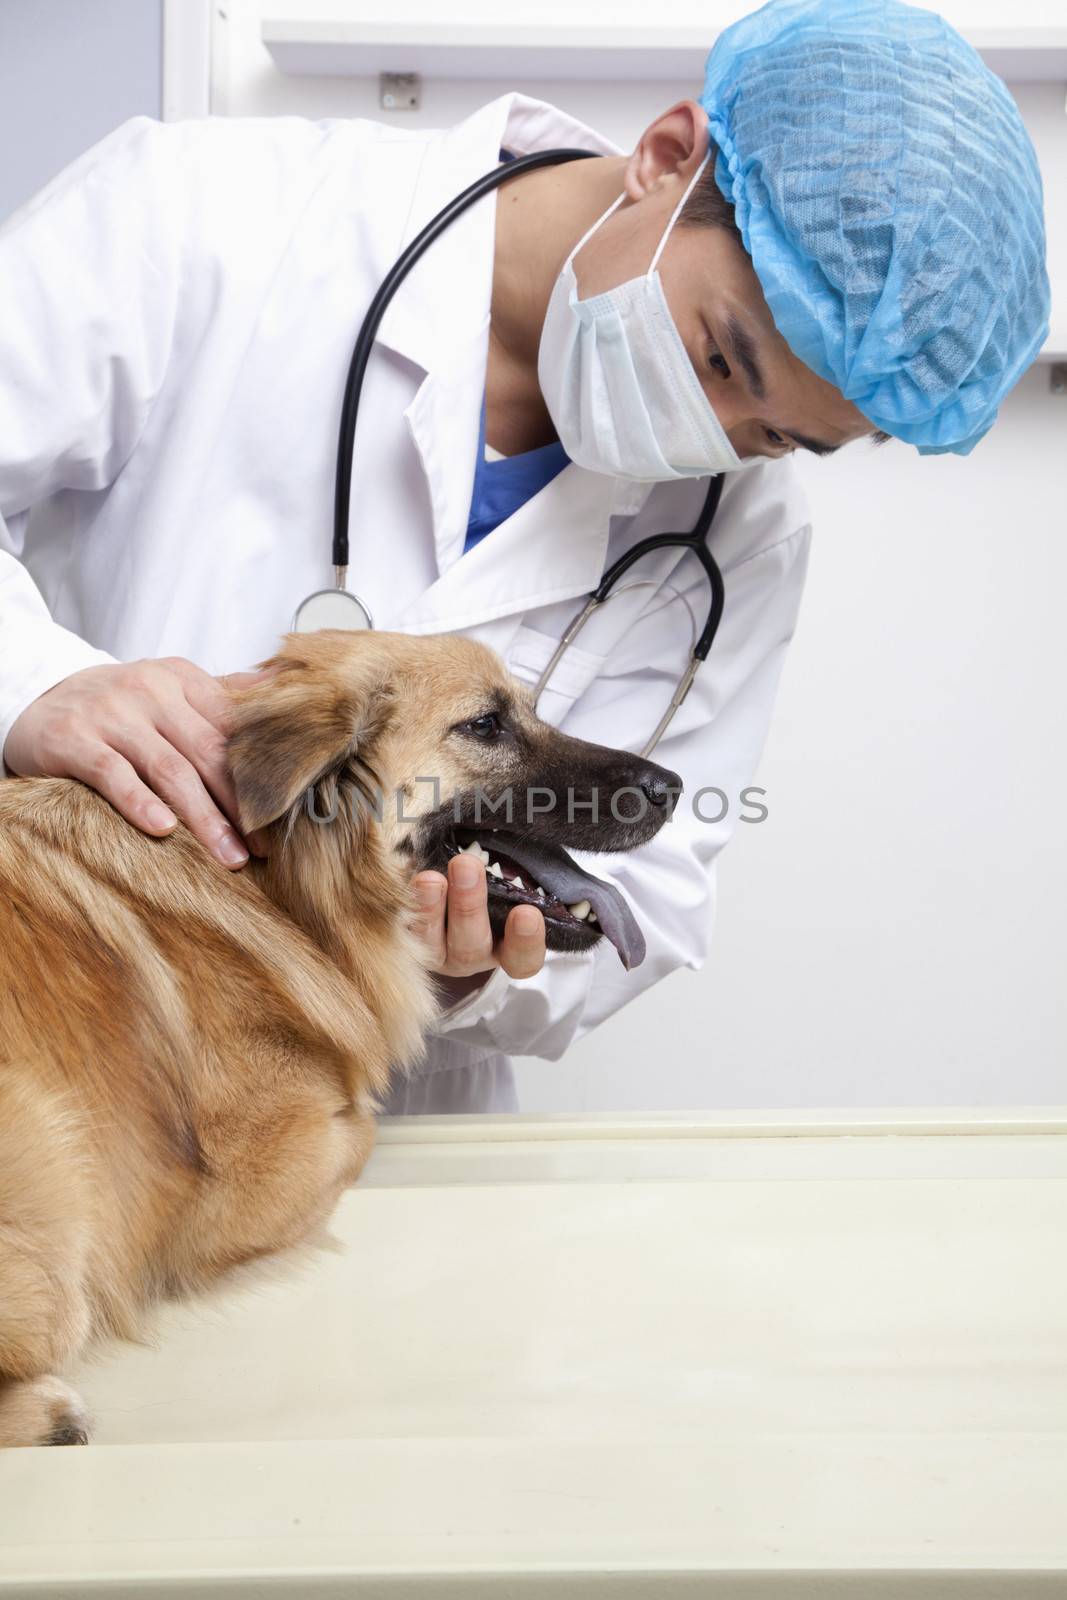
191	1060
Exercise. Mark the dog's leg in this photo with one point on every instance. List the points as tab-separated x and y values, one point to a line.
43	1323
44	1411
44	1312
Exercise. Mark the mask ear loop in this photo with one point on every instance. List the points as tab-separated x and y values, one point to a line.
588	234
676	213
614	206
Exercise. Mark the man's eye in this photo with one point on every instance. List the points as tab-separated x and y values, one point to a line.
775	438
486	727
717	361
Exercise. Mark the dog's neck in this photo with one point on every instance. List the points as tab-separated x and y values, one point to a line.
339	886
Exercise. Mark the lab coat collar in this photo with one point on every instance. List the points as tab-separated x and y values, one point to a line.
416	325
554	546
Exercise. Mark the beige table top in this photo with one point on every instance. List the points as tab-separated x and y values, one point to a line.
766	1355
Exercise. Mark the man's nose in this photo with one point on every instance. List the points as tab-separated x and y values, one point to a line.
658	784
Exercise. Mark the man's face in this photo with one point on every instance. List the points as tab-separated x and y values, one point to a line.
769	402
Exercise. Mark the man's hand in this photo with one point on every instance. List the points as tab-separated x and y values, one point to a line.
453	922
150	737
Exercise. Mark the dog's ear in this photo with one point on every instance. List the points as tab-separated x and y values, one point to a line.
314	716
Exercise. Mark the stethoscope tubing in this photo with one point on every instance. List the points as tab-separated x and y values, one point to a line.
357	370
695	541
364	344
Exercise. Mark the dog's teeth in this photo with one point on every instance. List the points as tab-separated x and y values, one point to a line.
541	893
494	870
517	882
476	849
580	909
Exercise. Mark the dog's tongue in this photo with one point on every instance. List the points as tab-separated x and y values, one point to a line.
555	871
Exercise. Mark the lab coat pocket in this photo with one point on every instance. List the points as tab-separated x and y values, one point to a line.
529	654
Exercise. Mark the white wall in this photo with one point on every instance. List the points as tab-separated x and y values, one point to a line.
70	71
895	932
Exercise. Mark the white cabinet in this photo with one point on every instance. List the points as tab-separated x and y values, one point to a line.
517	48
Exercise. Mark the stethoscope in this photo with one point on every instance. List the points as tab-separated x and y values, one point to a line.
339	607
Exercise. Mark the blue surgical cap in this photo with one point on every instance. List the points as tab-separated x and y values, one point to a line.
890	199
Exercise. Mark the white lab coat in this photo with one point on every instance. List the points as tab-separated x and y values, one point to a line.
178	311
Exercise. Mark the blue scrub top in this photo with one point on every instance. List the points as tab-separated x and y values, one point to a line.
501	487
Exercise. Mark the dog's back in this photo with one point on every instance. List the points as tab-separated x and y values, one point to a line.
191	1059
184	1083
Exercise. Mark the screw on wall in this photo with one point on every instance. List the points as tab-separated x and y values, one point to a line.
1057	378
399	91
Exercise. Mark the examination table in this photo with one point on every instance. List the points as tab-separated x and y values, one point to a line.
767	1354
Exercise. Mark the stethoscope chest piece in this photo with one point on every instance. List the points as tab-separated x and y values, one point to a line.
332	608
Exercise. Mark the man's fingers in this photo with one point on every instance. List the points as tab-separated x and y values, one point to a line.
111	775
431	891
201	743
207	695
469	936
522	949
232	681
177	781
462	945
148	735
229	684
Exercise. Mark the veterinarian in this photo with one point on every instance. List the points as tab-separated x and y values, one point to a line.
863	253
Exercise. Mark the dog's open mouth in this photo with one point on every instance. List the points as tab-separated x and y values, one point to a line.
522	870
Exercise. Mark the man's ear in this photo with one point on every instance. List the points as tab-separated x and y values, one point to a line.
672	146
304	724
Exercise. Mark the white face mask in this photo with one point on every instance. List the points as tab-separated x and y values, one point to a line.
618	383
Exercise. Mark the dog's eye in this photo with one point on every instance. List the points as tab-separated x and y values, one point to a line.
487	727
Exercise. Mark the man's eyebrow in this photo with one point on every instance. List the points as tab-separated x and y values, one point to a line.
743	350
817	446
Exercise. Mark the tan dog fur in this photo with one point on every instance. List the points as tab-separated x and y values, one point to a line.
164	1020
191	1060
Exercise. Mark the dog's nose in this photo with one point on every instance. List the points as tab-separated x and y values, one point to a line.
657	785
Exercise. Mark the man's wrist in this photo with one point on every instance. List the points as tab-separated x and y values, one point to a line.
450	991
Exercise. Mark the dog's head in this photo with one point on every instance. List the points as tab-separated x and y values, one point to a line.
430	747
